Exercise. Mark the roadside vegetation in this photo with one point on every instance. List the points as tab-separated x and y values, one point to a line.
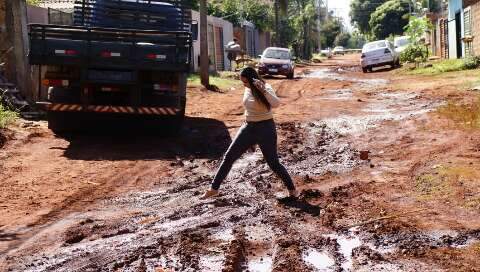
443	66
450	183
7	117
224	80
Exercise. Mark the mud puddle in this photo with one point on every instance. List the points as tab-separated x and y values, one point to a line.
332	74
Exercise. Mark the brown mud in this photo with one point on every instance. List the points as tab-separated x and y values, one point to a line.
130	202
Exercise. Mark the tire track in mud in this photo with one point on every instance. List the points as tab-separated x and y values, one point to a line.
248	227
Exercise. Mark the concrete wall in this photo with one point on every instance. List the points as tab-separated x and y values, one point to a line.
454	6
227	36
37	15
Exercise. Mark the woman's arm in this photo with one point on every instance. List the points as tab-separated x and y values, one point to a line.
269	93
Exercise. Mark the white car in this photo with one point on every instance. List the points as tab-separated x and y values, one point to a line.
327	52
379	53
401	43
339	50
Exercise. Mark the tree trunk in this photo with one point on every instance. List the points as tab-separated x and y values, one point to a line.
16	24
305	39
204	61
277	24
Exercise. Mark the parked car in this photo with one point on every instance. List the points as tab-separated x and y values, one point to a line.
327	52
277	61
401	43
379	53
339	50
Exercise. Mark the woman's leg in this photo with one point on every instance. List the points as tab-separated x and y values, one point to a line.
267	140
240	144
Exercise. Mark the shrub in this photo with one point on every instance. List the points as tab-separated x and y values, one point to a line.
414	53
472	62
6	116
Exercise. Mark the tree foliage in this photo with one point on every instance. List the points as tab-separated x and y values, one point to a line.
236	11
417	27
342	39
360	11
329	31
390	18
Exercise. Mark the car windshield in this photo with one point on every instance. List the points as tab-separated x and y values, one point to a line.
401	42
374	45
277	54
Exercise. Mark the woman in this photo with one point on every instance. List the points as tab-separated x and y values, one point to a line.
258	99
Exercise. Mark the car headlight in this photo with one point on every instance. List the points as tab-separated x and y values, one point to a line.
285	66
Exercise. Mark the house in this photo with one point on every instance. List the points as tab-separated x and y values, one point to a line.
219	33
463	28
252	41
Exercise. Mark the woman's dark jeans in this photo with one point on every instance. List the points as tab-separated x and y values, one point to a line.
264	134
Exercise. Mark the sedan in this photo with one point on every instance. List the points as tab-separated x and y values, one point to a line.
379	53
277	61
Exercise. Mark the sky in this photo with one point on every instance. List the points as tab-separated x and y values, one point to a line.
341	8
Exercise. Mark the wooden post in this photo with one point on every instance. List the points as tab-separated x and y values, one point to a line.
204	60
16	23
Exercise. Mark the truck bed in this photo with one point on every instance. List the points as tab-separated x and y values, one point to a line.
98	47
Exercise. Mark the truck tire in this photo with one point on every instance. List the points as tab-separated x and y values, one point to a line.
175	123
60	122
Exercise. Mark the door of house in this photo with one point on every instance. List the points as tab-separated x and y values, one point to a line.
211	48
219	51
458	33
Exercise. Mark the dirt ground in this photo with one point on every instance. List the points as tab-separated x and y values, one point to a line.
125	201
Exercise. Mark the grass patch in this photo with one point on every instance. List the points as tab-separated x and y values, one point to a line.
6	117
224	81
462	115
453	183
439	67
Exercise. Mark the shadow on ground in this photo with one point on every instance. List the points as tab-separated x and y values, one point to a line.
199	138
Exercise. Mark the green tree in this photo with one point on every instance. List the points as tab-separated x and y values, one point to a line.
360	11
342	39
417	27
330	29
33	2
303	15
236	11
357	40
390	18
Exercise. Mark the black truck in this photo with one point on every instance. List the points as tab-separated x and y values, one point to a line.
124	60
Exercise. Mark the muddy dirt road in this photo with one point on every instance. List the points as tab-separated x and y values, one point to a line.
129	202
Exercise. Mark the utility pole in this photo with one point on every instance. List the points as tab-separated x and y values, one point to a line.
204	60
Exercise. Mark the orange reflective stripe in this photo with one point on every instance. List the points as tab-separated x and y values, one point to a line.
155	110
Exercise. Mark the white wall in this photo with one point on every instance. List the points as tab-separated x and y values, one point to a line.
227	36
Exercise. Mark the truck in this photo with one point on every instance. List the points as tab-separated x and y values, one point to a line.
120	60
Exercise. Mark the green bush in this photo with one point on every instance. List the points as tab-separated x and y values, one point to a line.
472	62
6	116
413	53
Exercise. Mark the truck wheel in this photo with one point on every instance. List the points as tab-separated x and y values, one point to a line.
175	123
60	122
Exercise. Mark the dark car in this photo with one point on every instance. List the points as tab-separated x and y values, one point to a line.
277	61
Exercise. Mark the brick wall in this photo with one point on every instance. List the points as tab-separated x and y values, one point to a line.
476	28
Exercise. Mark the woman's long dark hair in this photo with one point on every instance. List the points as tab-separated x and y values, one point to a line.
250	74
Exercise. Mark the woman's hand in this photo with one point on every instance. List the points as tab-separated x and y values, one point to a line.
260	85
